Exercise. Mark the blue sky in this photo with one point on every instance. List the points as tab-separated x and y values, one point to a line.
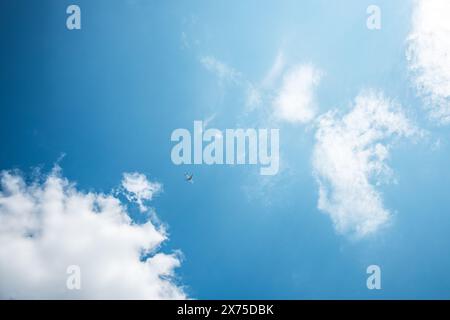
108	96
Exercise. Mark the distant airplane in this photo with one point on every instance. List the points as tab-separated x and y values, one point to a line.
188	177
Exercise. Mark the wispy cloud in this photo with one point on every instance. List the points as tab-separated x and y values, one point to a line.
220	69
288	94
47	226
137	188
226	73
350	160
428	54
275	71
254	97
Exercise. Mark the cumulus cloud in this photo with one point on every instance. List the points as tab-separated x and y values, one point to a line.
295	101
47	226
428	54
350	160
138	189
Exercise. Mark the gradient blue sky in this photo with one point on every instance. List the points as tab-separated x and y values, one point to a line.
109	96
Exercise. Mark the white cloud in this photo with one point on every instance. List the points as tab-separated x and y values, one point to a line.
254	94
47	226
349	161
429	55
138	189
254	97
184	40
275	71
290	98
220	69
295	101
208	120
